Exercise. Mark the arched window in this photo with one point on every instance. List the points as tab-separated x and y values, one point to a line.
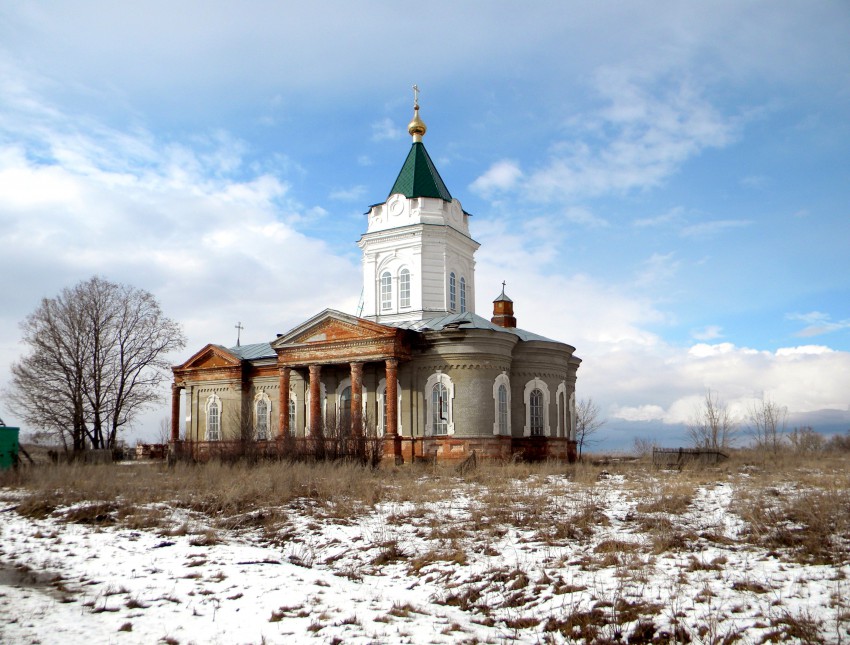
381	394
535	403
502	405
262	414
386	291
452	292
503	410
536	399
439	395
262	421
344	409
440	409
213	409
462	294
404	288
293	401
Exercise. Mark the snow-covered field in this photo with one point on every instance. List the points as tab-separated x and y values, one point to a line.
632	556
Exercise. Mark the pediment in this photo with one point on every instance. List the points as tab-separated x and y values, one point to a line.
211	356
333	326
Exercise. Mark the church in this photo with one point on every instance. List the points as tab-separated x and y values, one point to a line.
417	370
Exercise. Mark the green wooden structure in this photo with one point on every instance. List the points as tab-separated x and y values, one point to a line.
8	447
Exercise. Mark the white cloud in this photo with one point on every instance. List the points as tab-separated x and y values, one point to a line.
804	350
180	219
704	350
673	216
657	270
639	413
818	323
352	194
633	373
386	130
584	217
642	135
716	227
709	332
501	176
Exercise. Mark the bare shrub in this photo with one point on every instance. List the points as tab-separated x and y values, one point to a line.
804	440
799	628
811	525
839	443
712	426
767	424
642	447
588	423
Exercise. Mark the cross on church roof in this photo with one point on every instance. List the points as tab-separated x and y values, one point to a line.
238	326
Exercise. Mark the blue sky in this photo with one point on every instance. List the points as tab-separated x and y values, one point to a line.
664	185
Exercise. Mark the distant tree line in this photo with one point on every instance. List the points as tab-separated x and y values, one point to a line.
713	427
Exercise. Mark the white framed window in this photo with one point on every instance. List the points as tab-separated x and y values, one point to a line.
502	405
452	292
293	402
262	416
386	291
381	393
462	294
535	403
213	410
439	394
536	399
404	288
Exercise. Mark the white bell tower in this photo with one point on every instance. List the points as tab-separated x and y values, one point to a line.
417	253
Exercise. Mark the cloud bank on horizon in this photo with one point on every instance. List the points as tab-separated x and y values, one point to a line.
664	187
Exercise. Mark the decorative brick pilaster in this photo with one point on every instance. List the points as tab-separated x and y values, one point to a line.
392	442
315	401
391	395
175	411
357	399
283	417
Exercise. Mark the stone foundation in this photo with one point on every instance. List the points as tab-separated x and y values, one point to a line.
388	450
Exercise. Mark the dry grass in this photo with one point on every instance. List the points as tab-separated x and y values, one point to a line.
802	507
798	510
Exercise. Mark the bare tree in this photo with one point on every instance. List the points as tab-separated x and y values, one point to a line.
47	388
643	446
804	439
97	357
767	424
712	426
587	423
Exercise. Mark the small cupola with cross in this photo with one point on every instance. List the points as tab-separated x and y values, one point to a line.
503	310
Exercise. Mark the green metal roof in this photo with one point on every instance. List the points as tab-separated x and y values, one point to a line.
466	320
253	351
419	176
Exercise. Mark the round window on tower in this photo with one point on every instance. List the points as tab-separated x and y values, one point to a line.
396	207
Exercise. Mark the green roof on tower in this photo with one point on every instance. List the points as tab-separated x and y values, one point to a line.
419	176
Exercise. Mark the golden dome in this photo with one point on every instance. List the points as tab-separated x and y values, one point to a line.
416	127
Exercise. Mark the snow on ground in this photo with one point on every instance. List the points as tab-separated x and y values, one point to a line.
584	563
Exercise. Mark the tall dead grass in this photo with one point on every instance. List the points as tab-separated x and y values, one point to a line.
801	505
